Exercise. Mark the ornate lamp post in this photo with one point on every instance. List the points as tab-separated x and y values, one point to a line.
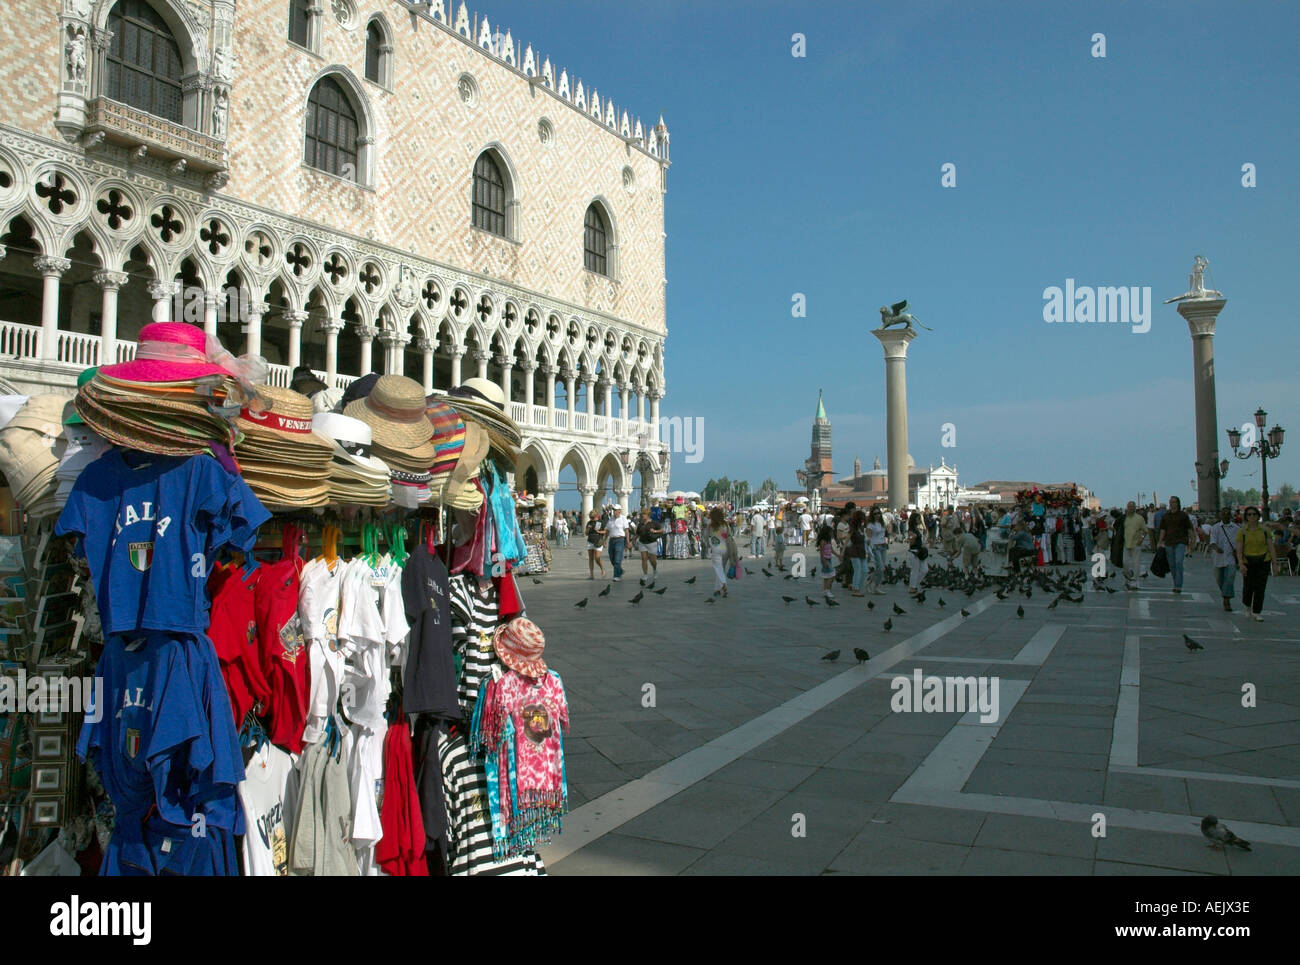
1214	472
1269	447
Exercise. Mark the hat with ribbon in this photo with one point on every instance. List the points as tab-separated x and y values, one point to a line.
285	426
71	417
395	412
485	402
173	352
519	644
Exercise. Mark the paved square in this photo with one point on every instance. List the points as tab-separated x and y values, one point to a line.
711	738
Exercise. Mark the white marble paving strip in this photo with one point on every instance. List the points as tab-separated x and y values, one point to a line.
1204	776
1040	645
607	812
1124	736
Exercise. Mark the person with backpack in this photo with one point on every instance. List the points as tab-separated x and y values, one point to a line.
595	545
648	534
857	551
826	553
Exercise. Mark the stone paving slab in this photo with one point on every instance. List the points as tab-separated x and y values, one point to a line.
1107	677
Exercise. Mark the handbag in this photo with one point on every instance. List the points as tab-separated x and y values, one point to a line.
1160	563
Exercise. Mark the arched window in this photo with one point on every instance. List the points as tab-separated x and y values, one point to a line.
489	195
332	131
298	18
595	241
143	61
377	54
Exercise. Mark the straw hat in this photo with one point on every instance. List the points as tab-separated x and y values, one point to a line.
394	410
485	402
167	352
519	644
286	426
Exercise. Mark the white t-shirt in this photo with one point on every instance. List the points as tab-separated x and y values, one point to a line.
757	522
805	522
617	527
372	628
875	534
318	609
269	822
366	777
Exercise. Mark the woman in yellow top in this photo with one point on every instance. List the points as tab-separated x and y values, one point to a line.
1255	556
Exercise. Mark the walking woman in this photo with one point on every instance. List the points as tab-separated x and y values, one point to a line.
721	547
648	533
826	552
878	544
1255	556
858	551
595	543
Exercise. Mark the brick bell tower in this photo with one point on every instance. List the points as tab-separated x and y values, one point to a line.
820	458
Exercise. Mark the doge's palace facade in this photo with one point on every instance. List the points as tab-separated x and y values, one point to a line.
353	185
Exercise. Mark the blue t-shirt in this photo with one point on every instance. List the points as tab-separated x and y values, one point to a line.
150	742
149	526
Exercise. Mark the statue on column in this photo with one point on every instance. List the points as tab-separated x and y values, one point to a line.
897	314
1196	283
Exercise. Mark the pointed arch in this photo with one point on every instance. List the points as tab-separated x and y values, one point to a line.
495	200
339	126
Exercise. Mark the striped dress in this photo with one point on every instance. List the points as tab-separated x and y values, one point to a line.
474	618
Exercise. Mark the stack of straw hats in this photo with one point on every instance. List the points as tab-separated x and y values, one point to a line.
164	400
459	451
31	445
356	477
283	460
483	402
394	410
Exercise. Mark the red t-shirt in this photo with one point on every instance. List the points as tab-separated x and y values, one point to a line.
233	631
283	648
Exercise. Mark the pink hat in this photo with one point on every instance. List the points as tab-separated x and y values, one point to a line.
519	644
168	352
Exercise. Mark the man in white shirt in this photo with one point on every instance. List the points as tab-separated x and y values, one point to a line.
617	532
1223	551
757	530
805	527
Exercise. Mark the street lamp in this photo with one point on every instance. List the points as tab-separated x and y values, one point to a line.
1269	447
1214	472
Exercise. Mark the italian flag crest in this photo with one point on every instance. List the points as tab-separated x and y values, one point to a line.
141	555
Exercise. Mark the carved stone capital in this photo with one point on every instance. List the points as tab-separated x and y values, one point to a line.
158	290
50	266
295	318
426	345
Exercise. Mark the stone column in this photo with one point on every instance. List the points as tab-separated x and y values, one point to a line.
548	493
162	292
210	300
110	282
548	370
253	336
367	336
590	380
654	415
457	352
482	359
426	347
640	404
527	367
507	364
295	320
609	399
51	270
331	328
624	394
588	499
570	383
1201	314
895	341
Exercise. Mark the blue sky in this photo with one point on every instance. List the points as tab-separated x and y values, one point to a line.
821	175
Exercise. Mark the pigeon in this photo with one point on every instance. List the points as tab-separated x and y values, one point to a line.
871	604
691	580
898	610
810	601
748	571
831	601
788	600
920	597
1191	644
1001	595
638	598
942	602
581	603
1020	612
1052	605
861	654
1219	834
767	572
788	576
661	591
889	624
710	600
605	592
965	613
537	581
833	655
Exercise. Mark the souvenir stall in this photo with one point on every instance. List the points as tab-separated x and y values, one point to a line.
308	623
532	524
1051	515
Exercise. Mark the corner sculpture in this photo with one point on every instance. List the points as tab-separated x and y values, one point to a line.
897	314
